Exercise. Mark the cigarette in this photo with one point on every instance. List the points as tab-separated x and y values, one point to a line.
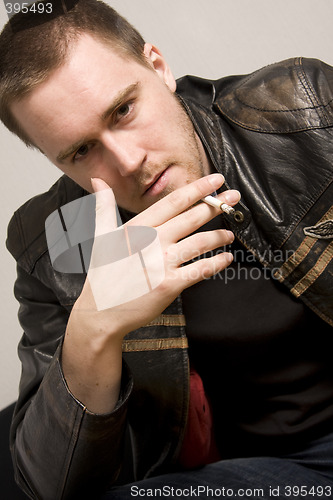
215	202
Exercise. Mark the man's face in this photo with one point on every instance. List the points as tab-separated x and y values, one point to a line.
101	115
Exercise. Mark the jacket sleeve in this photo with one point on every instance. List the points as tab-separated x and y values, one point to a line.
59	448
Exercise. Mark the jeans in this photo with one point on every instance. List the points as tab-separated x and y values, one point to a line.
307	474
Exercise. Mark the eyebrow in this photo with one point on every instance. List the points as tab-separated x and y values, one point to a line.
118	100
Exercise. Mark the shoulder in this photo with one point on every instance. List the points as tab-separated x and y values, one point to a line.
26	239
288	96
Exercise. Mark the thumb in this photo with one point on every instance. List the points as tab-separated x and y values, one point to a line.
106	210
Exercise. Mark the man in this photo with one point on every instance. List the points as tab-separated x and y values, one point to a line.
245	403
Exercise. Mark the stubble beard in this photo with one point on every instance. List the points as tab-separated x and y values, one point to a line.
192	166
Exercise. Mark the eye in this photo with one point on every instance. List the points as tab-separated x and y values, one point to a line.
124	110
81	152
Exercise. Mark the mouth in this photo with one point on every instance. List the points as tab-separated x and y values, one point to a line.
157	184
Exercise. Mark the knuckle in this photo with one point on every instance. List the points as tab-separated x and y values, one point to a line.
174	199
200	240
207	270
227	235
170	254
194	217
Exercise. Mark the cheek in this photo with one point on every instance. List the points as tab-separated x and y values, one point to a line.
160	117
163	132
177	127
79	175
81	180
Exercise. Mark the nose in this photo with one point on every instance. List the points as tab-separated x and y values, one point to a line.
124	153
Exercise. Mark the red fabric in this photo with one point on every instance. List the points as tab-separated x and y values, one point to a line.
199	447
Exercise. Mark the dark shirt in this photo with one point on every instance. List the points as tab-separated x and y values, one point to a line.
264	358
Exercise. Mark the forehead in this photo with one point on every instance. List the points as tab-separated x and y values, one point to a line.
91	77
89	65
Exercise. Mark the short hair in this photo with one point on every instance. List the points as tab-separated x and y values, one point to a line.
33	45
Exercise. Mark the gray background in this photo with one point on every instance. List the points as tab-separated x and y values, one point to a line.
209	38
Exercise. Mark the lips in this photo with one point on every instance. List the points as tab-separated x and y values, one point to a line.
150	185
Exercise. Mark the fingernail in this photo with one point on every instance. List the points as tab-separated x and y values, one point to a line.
229	257
98	184
232	196
230	235
216	180
93	183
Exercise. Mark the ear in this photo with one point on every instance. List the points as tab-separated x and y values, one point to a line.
159	64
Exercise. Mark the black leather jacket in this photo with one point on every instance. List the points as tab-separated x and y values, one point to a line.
270	134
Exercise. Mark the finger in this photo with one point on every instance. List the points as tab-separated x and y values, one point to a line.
178	201
194	218
204	268
106	213
198	244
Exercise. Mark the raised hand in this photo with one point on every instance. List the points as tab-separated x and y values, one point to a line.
100	320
